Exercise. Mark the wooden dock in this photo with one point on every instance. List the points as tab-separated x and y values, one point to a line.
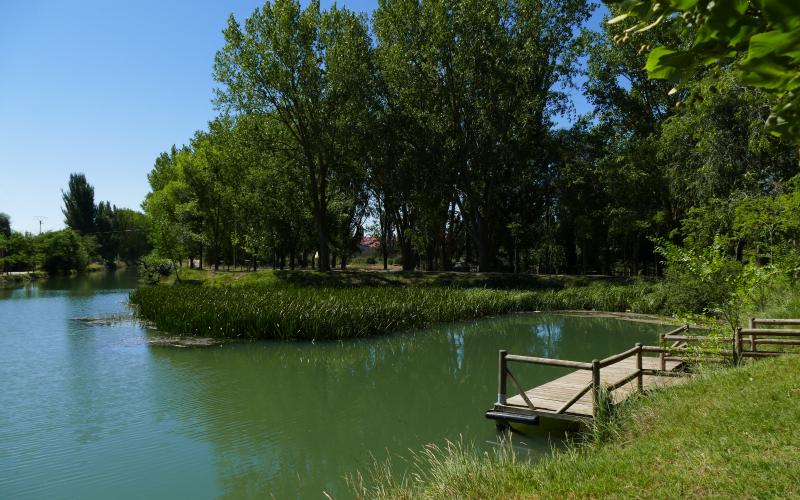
576	396
548	398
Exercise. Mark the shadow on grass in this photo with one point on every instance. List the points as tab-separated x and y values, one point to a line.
502	281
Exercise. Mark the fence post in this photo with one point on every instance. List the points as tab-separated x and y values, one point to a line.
737	345
662	357
595	386
640	376
752	336
501	378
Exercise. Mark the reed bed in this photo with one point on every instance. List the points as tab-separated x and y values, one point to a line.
258	312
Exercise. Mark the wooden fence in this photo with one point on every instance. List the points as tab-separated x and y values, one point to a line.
761	332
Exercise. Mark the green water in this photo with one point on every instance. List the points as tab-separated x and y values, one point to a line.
93	411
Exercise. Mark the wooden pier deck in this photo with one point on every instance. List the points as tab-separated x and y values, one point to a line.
576	396
548	398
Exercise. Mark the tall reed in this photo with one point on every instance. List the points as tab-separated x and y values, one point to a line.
336	313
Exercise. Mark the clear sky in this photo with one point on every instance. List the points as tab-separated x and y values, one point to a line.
102	87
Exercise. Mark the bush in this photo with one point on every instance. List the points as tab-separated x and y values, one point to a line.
153	268
64	251
371	260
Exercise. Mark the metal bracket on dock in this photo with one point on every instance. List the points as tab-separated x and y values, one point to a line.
513	417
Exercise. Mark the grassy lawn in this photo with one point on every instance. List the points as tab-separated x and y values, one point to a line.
729	433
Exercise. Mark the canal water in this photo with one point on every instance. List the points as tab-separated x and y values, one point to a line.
90	410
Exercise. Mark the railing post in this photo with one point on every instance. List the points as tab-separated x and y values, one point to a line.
501	378
595	386
752	336
737	345
640	376
662	357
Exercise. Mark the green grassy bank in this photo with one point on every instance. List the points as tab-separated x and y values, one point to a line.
729	433
271	307
12	280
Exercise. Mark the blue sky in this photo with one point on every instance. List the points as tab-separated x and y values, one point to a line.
102	88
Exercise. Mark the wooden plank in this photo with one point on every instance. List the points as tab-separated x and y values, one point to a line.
549	362
775	321
618	357
554	395
778	341
778	332
702	338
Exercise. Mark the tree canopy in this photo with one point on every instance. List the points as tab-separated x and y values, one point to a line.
432	126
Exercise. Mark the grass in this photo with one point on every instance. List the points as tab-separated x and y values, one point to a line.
269	308
730	433
351	278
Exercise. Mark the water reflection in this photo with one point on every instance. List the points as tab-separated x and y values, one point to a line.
294	418
93	411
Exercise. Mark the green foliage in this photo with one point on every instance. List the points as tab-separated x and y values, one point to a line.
309	71
5	225
64	251
153	269
79	208
719	146
707	279
762	36
322	312
131	229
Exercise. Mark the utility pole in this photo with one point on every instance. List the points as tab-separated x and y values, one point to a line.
40	218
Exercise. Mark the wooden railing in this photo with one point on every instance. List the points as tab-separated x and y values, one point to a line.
594	385
676	346
758	333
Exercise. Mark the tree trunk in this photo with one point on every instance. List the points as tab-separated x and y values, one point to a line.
320	220
485	257
407	255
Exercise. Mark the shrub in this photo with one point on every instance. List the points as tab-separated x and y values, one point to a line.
64	251
153	268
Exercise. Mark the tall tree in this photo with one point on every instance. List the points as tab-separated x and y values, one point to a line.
79	209
5	225
479	80
310	70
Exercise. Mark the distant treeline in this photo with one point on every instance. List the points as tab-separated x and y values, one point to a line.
432	126
99	233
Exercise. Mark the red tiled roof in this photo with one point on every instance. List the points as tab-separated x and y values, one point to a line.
371	241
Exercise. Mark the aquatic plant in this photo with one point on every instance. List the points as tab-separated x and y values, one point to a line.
289	312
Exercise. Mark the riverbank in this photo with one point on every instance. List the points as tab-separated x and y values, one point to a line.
307	305
729	433
18	279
